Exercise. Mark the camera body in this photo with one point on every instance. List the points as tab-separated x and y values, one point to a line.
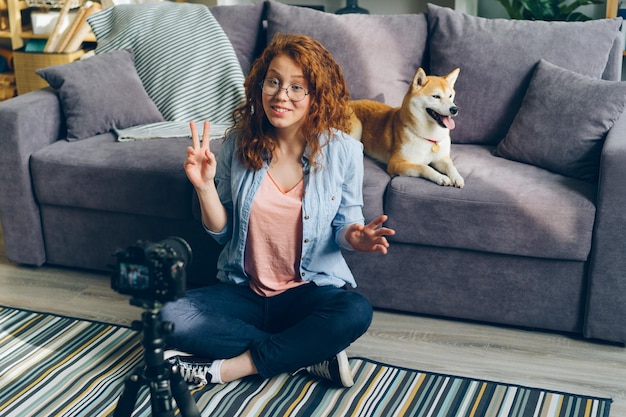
152	271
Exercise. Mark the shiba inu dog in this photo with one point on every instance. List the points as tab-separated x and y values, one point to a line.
413	139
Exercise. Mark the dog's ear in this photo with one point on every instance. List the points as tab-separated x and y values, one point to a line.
451	78
419	79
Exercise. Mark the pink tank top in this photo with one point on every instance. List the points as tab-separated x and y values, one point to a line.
274	243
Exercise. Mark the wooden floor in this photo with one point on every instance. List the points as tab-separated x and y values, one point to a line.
539	359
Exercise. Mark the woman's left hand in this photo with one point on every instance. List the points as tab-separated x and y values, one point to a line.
371	237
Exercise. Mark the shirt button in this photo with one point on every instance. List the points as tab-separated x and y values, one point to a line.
332	198
302	274
306	240
306	217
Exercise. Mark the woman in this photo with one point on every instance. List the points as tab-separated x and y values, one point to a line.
284	196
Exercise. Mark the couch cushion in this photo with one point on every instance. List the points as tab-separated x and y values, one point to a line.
497	58
142	177
506	207
563	122
101	93
375	182
378	54
243	25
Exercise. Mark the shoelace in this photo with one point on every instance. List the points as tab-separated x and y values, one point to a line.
196	374
321	369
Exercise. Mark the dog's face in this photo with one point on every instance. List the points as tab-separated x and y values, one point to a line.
433	97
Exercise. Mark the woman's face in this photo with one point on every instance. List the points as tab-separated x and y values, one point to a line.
285	114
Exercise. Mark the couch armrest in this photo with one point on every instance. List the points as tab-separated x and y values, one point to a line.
606	306
29	123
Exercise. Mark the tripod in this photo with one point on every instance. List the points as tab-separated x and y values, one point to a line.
163	379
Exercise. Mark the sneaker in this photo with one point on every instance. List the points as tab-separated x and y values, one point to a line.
193	370
337	369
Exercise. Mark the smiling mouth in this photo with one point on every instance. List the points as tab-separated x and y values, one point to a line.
280	109
444	121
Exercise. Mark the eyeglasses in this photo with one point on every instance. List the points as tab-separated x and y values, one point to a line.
295	92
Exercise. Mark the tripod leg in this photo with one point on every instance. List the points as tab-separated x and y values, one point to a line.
161	398
167	387
186	404
126	403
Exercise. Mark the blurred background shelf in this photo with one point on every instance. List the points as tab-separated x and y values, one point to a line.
19	24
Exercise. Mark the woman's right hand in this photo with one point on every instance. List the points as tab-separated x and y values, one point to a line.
200	164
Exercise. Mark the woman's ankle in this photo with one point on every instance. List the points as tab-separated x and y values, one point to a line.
237	367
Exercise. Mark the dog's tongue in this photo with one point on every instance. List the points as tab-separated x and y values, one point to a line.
448	121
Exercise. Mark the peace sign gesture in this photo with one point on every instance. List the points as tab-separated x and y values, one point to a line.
200	163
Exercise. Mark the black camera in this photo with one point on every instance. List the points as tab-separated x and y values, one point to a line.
152	271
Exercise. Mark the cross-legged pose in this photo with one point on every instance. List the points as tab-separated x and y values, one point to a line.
284	196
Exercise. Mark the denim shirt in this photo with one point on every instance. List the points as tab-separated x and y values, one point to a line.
333	199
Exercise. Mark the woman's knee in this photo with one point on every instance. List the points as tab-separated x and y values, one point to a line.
357	313
363	311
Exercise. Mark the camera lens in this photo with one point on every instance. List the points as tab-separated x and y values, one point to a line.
180	247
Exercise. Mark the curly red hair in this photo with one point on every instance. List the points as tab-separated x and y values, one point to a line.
328	94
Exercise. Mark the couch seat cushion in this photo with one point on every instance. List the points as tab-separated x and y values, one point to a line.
141	177
506	207
375	183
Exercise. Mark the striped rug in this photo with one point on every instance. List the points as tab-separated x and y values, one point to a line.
59	366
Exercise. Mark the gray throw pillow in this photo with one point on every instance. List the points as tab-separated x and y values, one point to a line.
101	93
563	121
378	54
497	58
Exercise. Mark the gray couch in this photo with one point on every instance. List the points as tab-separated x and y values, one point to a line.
534	239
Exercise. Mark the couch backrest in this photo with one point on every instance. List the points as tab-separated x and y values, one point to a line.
497	58
378	54
243	24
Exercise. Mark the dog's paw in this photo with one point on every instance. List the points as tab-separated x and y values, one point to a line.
458	181
443	180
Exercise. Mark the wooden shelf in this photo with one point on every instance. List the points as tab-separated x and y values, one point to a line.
611	8
611	11
28	34
18	33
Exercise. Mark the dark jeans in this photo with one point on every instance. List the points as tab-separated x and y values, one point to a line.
300	327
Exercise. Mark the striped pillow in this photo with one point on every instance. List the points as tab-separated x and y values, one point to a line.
183	57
